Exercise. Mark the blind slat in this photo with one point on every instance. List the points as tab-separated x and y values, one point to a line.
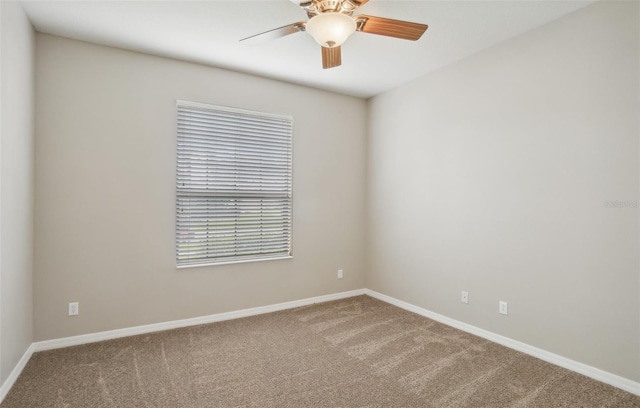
233	183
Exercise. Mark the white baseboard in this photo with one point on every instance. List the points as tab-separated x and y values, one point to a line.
176	324
581	368
15	373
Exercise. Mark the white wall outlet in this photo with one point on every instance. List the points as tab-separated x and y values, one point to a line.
340	273
74	309
502	308
464	296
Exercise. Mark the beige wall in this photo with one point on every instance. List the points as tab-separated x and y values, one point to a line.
492	176
16	185
105	191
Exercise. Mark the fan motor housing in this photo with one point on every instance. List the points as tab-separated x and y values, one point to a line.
330	6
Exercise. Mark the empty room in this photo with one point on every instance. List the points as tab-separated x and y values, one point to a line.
319	203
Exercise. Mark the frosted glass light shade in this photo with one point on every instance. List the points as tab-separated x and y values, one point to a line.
331	29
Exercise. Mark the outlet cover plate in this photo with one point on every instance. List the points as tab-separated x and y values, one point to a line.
502	308
74	308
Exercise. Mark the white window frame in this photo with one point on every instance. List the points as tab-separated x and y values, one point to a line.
214	192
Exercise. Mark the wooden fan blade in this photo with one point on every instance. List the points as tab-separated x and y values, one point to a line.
390	28
275	33
331	57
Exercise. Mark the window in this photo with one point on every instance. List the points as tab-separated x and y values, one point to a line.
233	181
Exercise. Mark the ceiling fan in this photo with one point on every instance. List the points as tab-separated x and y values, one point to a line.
331	22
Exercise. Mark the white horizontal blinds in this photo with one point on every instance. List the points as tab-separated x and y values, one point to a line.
233	185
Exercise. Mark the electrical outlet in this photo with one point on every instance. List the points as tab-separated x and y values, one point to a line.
74	309
464	296
502	308
340	273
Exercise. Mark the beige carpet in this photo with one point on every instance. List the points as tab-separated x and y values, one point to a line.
357	352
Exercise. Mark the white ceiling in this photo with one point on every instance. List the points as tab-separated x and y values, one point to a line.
207	32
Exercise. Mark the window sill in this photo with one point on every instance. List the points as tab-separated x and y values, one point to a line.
234	262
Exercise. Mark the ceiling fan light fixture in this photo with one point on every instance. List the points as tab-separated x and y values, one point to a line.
331	23
331	29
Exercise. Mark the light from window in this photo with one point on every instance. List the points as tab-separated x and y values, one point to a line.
234	199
